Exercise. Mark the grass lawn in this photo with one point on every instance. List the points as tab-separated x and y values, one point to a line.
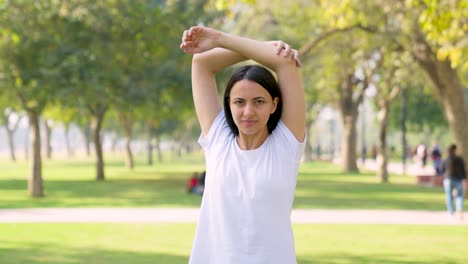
320	185
171	243
71	183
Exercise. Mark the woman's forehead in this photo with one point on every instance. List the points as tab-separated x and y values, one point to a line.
249	89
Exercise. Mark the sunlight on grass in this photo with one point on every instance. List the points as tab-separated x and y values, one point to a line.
71	183
171	243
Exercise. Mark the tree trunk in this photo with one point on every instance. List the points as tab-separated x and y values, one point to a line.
449	90
88	139
348	144
348	109
35	188
382	156
67	141
404	113
149	146
48	136
308	147
126	122
158	149
96	124
11	145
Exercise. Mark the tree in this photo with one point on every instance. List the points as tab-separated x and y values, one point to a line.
431	31
438	43
26	39
10	120
390	81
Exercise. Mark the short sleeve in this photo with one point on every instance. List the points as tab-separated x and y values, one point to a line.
219	130
286	138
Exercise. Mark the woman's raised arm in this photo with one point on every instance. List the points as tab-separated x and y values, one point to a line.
204	90
235	49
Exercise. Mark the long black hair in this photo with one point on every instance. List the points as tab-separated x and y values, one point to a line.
264	78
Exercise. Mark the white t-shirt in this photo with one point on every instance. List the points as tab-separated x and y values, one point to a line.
245	215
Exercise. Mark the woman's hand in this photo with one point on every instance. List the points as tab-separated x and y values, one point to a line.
199	39
285	50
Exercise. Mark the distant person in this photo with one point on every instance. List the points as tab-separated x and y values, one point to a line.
201	180
374	151
436	156
363	154
408	152
453	169
319	152
421	154
253	144
193	185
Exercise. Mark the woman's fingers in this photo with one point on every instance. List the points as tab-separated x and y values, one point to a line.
279	46
296	58
287	50
282	48
188	39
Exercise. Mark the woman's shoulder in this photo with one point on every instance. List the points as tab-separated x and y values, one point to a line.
218	132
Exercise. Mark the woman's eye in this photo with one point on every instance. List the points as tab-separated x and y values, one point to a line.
259	102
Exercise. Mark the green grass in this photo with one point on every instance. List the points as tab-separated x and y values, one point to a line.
171	243
71	183
320	185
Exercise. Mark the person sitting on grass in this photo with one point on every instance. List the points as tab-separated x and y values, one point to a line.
193	185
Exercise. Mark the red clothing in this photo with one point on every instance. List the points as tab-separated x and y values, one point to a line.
192	183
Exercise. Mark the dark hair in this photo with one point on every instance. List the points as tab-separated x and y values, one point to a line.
452	149
451	160
264	78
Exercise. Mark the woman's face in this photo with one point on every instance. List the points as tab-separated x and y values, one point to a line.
251	106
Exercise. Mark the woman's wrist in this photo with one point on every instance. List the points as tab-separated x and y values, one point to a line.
221	40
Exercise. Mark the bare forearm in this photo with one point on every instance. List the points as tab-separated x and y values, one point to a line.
217	59
261	52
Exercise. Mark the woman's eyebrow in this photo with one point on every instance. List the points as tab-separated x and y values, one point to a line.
243	99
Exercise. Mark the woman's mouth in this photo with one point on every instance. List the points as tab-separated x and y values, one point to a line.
249	122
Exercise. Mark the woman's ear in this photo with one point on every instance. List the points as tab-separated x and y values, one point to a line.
275	104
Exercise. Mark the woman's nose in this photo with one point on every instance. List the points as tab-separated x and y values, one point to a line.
249	109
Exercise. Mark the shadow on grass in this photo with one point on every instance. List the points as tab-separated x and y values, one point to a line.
168	190
340	258
319	192
50	253
110	193
317	187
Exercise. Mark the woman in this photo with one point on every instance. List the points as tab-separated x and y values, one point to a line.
252	148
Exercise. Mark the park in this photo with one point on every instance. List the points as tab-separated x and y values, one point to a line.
98	134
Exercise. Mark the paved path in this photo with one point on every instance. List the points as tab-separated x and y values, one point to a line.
411	169
188	215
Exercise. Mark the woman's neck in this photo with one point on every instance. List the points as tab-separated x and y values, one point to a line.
250	142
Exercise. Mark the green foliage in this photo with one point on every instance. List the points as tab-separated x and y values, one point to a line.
26	38
445	25
125	55
423	111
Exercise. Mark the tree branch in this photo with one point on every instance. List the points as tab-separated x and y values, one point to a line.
312	44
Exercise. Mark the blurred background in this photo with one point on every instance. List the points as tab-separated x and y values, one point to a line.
97	116
85	78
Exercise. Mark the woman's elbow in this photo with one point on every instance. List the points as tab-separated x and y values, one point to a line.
202	61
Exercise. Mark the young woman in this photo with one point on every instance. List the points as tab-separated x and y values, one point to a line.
252	148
